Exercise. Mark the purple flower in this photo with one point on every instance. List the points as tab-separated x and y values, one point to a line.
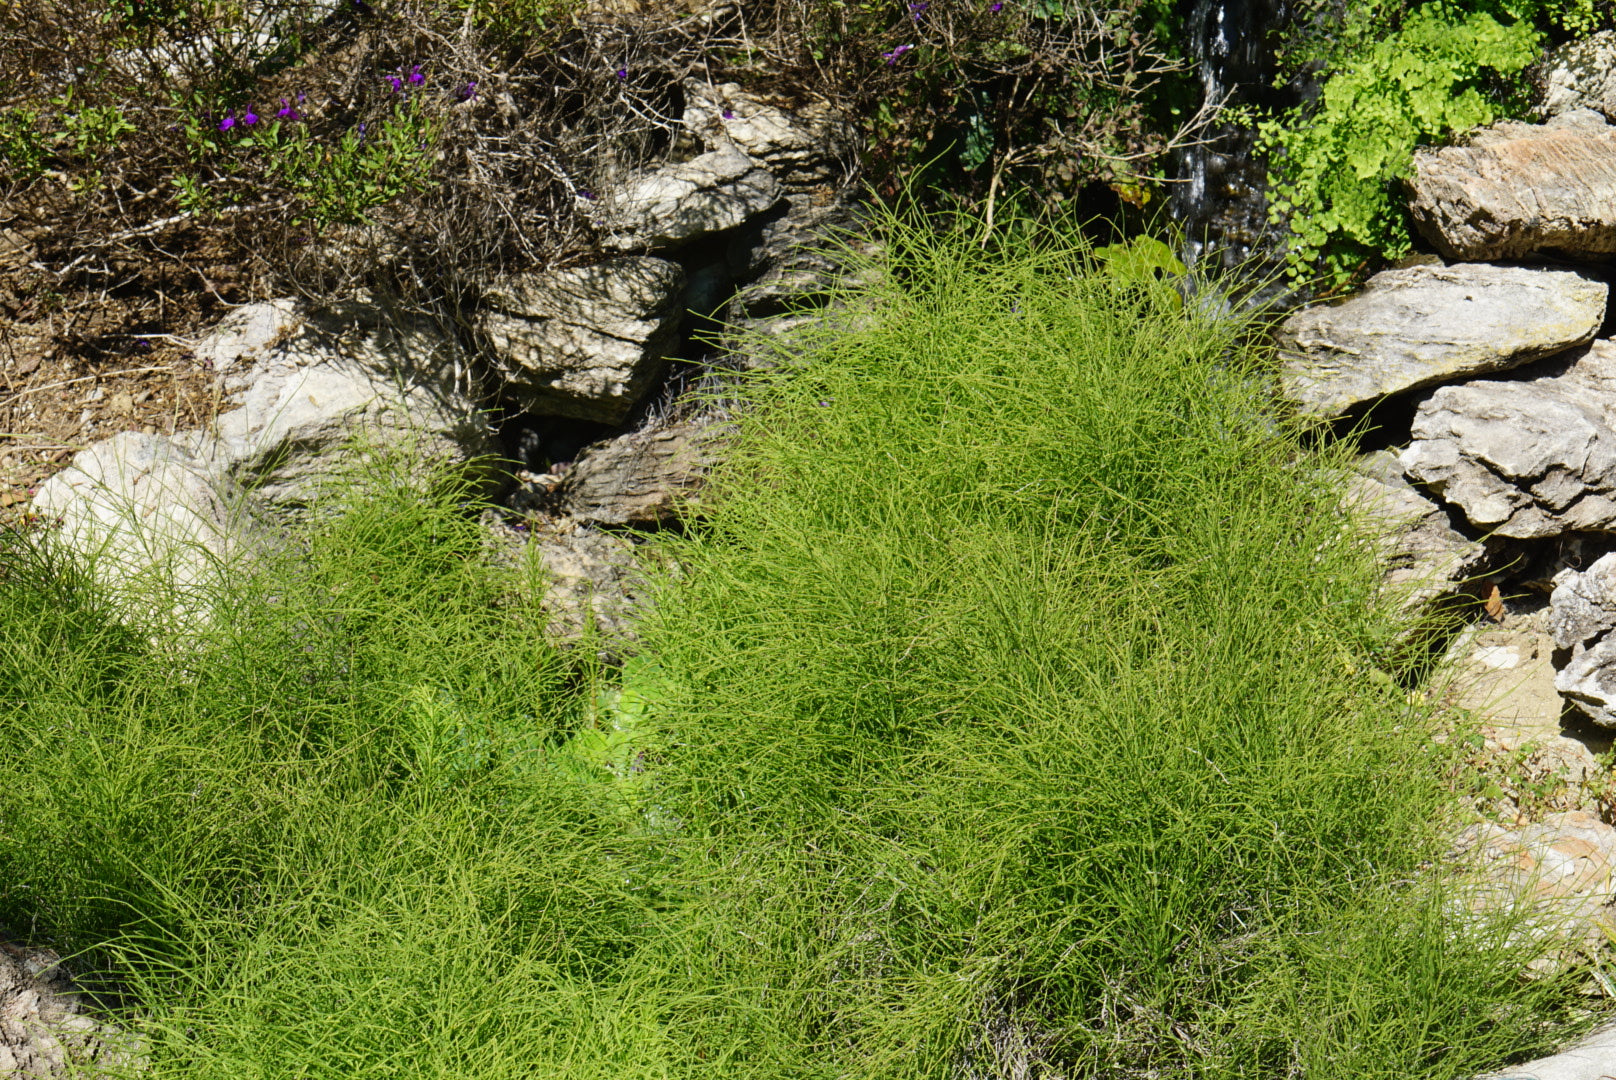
286	111
416	78
361	131
395	82
995	7
468	91
728	114
249	117
622	73
892	57
582	194
227	123
917	10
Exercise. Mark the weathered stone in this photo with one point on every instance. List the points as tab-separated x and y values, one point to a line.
247	333
677	203
1426	325
805	147
1590	1058
46	1029
161	531
1582	607
585	342
1521	188
644	478
1528	458
794	257
592	586
1423	554
326	382
1557	876
1580	75
1582	612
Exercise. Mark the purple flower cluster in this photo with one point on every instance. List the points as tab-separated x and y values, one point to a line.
413	78
287	111
892	57
917	10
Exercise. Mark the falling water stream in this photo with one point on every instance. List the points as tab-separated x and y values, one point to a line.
1220	194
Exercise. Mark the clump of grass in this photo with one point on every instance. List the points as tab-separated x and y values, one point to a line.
1025	709
1011	712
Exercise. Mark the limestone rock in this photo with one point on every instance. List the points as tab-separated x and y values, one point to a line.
1424	554
586	342
805	147
1521	188
324	379
1580	75
248	332
593	584
46	1029
160	529
1559	874
794	256
1529	458
676	203
1582	612
644	478
1590	1058
1426	325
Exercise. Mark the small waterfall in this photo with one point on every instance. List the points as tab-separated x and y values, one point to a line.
1220	193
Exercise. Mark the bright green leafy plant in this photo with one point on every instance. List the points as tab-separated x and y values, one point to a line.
1395	79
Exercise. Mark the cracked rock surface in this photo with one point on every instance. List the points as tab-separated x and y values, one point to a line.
1520	188
1425	325
586	342
1526	458
1582	612
45	1028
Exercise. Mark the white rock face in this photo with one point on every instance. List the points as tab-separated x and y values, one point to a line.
320	381
160	530
586	342
1529	458
1425	325
803	148
676	203
1581	75
1521	188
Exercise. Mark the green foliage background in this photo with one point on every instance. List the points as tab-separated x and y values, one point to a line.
1395	76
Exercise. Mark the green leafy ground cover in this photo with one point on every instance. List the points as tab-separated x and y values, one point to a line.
1012	711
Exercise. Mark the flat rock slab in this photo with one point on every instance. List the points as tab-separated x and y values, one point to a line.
1527	458
645	478
1521	188
1592	1058
678	203
306	385
1427	325
586	342
1423	554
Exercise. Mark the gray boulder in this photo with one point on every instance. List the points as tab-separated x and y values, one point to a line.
46	1028
160	530
1424	555
808	146
1580	75
322	383
1426	325
1521	188
1582	612
645	478
677	203
586	342
1528	458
